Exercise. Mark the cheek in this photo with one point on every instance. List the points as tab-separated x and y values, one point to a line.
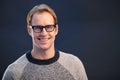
34	36
54	34
54	37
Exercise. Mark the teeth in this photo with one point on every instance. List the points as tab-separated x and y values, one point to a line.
43	38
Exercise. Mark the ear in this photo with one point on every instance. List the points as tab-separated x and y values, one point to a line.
29	30
56	29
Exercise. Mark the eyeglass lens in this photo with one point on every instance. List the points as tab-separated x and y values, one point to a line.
48	28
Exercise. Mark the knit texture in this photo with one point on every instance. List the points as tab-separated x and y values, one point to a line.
62	66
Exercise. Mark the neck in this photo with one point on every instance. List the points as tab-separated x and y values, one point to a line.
43	54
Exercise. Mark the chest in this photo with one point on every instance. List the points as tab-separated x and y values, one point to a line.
46	72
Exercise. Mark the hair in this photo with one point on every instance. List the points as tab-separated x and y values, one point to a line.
40	8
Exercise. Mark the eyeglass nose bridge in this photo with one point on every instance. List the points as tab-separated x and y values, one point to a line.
43	27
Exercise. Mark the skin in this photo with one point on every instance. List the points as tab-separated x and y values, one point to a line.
43	42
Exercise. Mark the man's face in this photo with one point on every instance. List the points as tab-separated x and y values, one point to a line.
43	40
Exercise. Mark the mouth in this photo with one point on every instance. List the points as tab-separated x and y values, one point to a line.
43	39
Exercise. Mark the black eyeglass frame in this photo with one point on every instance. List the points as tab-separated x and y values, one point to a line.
40	28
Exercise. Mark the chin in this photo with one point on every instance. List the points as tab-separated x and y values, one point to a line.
44	47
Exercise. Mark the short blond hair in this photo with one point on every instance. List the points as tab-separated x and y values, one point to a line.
40	8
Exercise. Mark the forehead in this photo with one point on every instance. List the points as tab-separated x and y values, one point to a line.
42	18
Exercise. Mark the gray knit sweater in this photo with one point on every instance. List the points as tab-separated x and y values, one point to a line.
62	66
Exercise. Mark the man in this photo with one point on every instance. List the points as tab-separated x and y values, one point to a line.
44	62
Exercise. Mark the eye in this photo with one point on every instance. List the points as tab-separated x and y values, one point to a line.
36	27
49	26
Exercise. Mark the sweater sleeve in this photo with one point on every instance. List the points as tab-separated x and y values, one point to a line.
81	69
74	65
8	75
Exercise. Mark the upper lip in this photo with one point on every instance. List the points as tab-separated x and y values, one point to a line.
43	38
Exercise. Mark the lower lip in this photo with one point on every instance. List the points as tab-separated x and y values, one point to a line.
43	41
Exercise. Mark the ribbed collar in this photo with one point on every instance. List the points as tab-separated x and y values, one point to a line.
42	62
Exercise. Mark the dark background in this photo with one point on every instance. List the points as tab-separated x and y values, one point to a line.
89	29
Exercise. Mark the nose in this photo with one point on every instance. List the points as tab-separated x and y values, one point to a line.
43	32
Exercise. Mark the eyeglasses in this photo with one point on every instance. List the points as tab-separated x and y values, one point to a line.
48	28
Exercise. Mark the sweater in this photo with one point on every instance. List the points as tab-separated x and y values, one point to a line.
63	66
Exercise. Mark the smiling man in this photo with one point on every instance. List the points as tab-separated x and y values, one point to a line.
44	62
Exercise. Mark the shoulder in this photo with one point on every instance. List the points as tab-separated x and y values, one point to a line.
15	68
73	64
69	59
68	56
18	64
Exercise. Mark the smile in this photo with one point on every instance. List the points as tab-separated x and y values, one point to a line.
43	39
